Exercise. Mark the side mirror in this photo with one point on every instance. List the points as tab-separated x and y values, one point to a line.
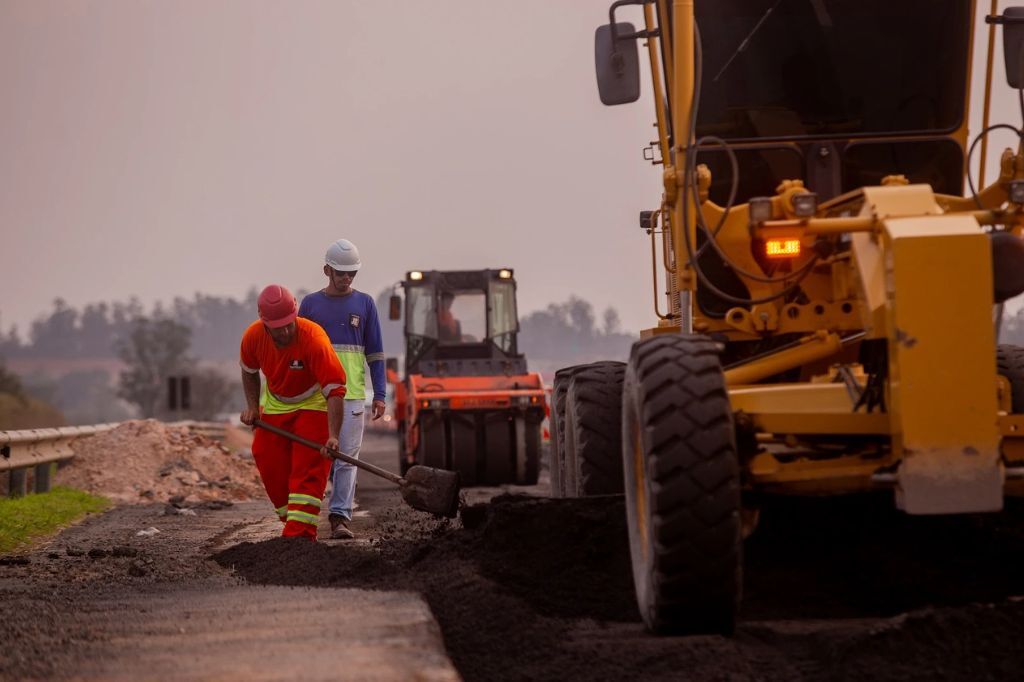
617	61
648	220
395	307
391	364
1012	21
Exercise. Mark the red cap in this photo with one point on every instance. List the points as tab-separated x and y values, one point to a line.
277	306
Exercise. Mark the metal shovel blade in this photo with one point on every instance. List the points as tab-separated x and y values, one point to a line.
431	490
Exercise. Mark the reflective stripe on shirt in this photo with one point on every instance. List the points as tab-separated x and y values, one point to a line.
295	399
311	399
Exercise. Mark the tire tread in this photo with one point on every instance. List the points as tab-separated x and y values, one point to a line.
685	420
595	396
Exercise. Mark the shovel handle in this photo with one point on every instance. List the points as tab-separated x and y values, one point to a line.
373	469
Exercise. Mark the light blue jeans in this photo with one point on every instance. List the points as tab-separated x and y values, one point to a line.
343	475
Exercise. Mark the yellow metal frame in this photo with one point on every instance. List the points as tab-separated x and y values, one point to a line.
916	276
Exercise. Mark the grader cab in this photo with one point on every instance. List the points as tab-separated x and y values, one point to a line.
468	403
832	295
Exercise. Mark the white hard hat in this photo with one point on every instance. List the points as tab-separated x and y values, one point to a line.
343	255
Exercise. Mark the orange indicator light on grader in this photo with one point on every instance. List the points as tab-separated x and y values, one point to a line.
782	248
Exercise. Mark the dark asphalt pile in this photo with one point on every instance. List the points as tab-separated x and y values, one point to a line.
503	585
539	589
976	642
557	564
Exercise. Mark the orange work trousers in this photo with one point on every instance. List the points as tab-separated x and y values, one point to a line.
294	476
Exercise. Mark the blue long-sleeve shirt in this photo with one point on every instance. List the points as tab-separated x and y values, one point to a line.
352	324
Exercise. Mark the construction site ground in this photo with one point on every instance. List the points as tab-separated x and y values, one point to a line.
520	587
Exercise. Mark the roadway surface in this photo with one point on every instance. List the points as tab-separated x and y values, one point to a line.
100	602
521	587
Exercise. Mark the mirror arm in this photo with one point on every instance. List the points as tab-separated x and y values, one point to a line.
632	36
1001	20
654	33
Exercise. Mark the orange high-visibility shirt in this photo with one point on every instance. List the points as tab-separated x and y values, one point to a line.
303	374
448	327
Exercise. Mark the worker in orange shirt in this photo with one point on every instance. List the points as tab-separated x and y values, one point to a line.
305	395
448	328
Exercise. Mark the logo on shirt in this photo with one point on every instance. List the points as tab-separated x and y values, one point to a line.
296	364
354	320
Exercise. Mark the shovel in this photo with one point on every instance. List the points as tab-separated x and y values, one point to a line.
424	488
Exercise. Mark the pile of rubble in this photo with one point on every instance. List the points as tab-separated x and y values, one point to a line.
147	460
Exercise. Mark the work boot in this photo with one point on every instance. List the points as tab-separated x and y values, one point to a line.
339	527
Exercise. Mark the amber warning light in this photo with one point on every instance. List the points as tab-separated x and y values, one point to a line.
782	248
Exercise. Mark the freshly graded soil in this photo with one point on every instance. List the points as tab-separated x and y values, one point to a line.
528	588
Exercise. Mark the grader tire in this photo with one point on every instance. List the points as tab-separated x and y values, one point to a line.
557	447
682	481
1010	362
593	430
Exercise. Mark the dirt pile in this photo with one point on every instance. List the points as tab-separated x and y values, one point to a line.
147	460
238	438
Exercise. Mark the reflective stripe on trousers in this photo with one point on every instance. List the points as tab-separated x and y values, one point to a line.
294	476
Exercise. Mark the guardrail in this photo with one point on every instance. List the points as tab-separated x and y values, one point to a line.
41	449
212	430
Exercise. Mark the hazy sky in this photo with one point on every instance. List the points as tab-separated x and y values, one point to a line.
158	149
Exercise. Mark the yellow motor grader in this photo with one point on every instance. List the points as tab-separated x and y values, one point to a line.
833	293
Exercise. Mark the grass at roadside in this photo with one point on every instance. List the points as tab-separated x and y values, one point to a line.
25	518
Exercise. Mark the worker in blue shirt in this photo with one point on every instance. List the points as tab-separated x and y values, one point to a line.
350	319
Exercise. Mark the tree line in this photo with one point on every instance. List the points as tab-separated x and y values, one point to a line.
567	331
95	331
199	338
216	323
